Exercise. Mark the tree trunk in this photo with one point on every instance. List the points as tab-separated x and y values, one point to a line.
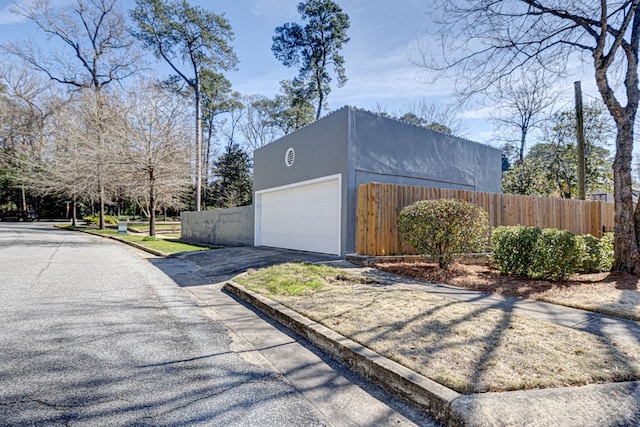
73	210
100	158
101	201
626	254
152	212
23	194
320	101
198	149
320	93
625	241
523	139
205	161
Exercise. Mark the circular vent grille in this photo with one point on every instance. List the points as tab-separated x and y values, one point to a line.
289	157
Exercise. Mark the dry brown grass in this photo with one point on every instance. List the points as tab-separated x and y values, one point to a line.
465	347
615	294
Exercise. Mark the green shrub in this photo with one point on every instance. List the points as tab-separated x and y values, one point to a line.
606	252
589	248
596	254
444	228
549	254
555	255
95	219
513	248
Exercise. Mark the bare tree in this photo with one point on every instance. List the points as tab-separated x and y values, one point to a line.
484	41
25	107
524	103
380	109
154	142
99	51
438	117
69	155
254	123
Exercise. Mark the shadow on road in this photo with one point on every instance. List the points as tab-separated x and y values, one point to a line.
219	265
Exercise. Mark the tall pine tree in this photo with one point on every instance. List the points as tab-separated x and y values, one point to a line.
234	184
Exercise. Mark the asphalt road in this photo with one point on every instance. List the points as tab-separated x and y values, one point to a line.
92	333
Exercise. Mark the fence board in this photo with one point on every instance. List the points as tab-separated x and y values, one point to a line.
380	204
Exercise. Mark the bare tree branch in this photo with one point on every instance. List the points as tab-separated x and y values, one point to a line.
484	42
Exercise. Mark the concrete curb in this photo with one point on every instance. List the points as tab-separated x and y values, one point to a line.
137	246
418	390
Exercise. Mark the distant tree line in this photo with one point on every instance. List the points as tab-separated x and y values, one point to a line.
86	127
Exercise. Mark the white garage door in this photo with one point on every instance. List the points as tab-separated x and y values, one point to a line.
303	216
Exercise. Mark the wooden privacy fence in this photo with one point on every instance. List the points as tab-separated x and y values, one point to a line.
380	204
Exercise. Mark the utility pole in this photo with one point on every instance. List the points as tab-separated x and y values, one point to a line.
582	167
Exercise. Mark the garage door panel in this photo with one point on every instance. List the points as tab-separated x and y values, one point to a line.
305	217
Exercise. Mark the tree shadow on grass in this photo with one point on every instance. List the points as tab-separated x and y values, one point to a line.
485	279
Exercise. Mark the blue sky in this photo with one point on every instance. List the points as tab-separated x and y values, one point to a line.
379	65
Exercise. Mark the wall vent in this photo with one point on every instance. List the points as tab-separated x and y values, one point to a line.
289	157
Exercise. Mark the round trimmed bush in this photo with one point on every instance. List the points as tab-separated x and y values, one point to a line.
443	228
596	255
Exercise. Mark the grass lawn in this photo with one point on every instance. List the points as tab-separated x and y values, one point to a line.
168	246
465	347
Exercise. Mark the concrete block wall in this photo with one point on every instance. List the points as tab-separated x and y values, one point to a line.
227	227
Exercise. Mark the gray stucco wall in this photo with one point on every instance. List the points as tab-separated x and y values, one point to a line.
228	227
320	150
389	151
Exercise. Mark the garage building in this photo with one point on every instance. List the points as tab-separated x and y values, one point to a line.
306	183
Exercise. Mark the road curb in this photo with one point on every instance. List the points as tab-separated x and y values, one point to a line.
431	397
137	246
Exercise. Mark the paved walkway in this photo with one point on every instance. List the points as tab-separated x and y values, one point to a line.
615	330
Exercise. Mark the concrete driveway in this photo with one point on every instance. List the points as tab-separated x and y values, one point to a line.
218	265
342	397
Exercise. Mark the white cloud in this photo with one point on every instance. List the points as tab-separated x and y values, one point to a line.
7	17
387	77
483	113
267	84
